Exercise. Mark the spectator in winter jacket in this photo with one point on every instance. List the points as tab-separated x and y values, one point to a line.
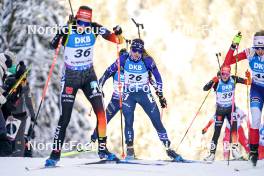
5	145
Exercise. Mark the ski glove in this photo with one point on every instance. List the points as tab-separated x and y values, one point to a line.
31	133
247	74
215	79
117	30
236	40
204	130
248	81
71	19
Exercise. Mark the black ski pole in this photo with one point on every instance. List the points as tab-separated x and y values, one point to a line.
128	42
45	87
138	25
217	56
71	7
199	109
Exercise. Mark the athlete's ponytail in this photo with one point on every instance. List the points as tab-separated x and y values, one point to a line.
145	53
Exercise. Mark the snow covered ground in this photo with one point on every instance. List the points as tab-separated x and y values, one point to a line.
72	166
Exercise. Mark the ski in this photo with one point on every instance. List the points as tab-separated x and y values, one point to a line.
139	163
40	168
189	161
124	162
76	152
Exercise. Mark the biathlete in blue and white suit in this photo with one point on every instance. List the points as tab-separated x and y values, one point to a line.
137	67
255	57
114	106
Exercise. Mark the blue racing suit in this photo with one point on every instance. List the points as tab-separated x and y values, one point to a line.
136	90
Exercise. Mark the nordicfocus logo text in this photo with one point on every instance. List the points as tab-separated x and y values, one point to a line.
72	145
53	30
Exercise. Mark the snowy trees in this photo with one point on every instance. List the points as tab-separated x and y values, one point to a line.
22	30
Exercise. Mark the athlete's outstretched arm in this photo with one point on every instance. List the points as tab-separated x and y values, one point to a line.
61	33
240	80
207	126
210	84
231	59
111	70
108	35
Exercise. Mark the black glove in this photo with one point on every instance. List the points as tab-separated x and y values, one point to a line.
20	69
31	132
117	30
203	131
32	118
162	100
71	19
122	51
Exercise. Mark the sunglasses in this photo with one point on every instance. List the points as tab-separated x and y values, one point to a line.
225	74
134	50
258	48
83	23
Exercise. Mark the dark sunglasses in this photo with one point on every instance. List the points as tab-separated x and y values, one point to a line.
83	23
257	48
225	74
134	50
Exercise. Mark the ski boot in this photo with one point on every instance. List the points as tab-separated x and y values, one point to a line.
51	162
103	152
236	153
173	155
253	157
130	152
253	154
210	158
53	159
